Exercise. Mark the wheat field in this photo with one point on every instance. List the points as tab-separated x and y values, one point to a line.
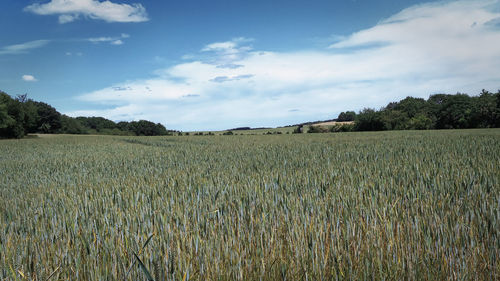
413	205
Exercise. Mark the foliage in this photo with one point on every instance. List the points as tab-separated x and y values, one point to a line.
11	117
369	120
317	129
440	111
49	120
147	128
298	130
21	116
346	116
400	205
72	126
98	124
338	128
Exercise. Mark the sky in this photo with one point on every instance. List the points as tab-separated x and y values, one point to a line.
220	64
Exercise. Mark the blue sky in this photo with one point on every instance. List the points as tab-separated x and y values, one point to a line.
207	65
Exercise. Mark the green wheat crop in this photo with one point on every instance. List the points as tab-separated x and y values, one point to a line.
353	206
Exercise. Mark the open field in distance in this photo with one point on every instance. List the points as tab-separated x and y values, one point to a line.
333	123
397	205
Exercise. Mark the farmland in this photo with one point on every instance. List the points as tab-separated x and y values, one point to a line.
394	205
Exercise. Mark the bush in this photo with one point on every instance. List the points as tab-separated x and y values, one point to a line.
317	129
342	128
298	130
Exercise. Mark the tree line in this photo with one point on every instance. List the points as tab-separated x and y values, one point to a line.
440	111
21	116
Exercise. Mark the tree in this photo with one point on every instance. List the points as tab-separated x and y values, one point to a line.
411	106
21	115
394	119
420	122
71	126
456	112
147	128
5	119
369	120
97	123
487	110
49	121
346	116
31	116
123	126
12	117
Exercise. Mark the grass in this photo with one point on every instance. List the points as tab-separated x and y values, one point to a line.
352	206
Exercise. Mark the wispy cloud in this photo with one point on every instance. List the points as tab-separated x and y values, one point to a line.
111	40
224	54
79	54
23	48
71	10
29	78
221	79
425	49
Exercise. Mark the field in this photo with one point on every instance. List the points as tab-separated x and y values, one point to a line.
414	205
282	130
333	123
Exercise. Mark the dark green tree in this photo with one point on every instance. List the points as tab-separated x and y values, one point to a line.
420	122
346	116
147	128
486	112
411	106
6	120
394	119
31	116
456	112
369	120
49	119
12	117
71	126
98	124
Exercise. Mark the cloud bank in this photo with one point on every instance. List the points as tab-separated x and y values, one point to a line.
71	10
424	49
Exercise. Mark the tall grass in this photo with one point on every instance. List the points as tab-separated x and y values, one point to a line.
354	206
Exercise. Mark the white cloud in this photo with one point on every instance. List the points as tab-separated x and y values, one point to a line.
23	48
425	49
224	54
67	18
71	10
111	40
29	78
101	39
